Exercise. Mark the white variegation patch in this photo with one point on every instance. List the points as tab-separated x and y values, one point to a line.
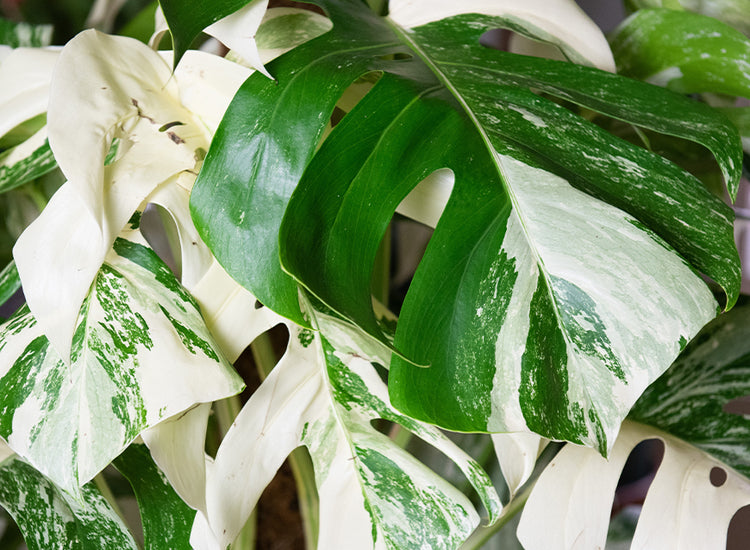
569	507
371	491
560	22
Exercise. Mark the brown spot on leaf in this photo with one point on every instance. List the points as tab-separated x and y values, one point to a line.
174	137
740	406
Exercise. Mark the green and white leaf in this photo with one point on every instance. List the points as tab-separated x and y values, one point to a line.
684	51
9	282
141	353
579	39
166	519
517	262
570	505
50	519
696	408
693	399
26	161
24	35
735	13
371	491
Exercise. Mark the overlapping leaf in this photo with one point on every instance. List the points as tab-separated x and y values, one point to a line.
50	519
140	354
371	491
561	250
685	51
186	24
698	408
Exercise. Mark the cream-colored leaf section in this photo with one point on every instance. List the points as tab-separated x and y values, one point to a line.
517	453
559	20
207	83
267	429
569	507
237	32
25	74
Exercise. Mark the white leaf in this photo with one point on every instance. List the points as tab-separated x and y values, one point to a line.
177	446
104	88
570	505
560	22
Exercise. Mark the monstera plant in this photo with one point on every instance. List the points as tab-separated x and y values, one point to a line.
564	311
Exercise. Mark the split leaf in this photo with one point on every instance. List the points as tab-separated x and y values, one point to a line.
371	491
699	409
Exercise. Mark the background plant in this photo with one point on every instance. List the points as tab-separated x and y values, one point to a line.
574	210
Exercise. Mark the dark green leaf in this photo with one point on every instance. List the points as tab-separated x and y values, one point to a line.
166	519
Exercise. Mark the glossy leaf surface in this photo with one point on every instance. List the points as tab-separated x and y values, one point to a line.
684	51
141	353
519	305
371	491
732	12
50	519
166	519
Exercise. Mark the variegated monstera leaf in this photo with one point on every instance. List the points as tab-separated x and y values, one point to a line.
562	275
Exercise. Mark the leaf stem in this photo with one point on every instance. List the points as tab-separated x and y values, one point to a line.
106	492
483	533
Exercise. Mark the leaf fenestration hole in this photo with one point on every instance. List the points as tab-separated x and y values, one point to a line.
738	532
496	39
638	474
740	406
718	476
159	229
